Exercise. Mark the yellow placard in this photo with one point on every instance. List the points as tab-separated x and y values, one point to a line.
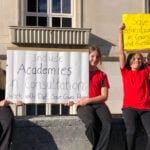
136	32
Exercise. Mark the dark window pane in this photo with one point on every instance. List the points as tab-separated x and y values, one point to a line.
66	6
31	6
65	110
42	21
149	6
56	6
66	22
55	109
31	21
42	5
41	109
30	108
55	22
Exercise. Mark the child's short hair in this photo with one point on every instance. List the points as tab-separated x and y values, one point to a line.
95	48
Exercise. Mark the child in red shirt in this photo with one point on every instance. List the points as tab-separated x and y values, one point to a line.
93	111
136	102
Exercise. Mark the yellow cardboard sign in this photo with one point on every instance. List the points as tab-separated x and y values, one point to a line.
136	32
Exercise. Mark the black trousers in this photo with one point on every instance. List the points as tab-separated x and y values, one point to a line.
97	120
131	117
6	127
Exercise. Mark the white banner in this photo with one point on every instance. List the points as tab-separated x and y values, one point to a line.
46	77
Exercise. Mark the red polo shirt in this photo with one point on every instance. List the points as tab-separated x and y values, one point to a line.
97	80
136	88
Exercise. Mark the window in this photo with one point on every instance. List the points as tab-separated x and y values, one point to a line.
35	109
53	13
40	109
61	6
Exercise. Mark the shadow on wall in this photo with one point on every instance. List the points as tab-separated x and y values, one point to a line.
104	45
31	137
45	133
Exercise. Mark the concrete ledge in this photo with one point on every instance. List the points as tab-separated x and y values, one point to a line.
64	133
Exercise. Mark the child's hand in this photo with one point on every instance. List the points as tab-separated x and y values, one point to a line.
82	102
19	103
122	27
69	103
5	102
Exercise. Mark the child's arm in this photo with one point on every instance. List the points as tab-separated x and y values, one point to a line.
122	56
94	100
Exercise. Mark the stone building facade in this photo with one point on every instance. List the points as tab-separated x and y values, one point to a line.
68	25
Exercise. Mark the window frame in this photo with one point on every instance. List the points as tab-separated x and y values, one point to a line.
49	14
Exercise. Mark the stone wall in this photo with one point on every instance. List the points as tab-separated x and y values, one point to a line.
65	133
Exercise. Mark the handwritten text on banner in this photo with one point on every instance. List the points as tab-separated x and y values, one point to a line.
137	31
46	77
